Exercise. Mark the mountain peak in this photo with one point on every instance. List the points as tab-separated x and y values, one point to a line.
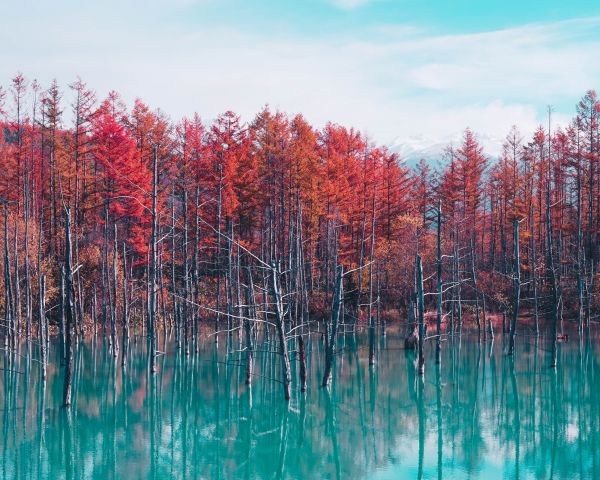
413	148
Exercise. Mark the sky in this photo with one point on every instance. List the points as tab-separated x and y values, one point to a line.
412	72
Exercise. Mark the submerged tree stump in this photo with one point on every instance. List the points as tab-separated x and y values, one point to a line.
411	341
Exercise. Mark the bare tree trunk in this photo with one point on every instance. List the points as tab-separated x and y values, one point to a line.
28	293
113	317
302	354
195	273
152	302
94	310
279	323
552	276
534	273
331	327
458	281
9	338
104	272
550	250
490	325
229	277
361	261
380	319
42	323
184	247
440	286
421	317
163	305
17	288
517	290
250	314
68	274
578	261
125	313
370	308
61	318
173	281
304	308
474	278
218	255
80	305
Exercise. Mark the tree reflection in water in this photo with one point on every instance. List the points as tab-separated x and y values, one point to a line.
478	414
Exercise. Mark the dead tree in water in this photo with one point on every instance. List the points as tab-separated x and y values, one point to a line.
176	319
17	288
280	326
219	214
411	340
61	317
229	289
28	293
440	285
302	296
152	300
94	310
517	290
554	288
9	338
370	308
195	268
421	317
578	255
68	268
553	284
103	287
458	282
250	314
42	323
113	317
533	272
379	320
125	313
184	252
475	290
331	327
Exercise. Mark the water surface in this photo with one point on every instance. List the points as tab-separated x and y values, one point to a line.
481	415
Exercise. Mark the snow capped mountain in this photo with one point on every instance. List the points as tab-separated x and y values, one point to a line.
412	149
434	149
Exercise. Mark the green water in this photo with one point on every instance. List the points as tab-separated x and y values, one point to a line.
480	416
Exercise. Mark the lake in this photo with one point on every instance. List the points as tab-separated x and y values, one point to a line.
480	415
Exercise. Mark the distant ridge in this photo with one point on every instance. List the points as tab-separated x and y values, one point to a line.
434	149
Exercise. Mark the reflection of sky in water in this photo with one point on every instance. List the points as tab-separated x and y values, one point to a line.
197	419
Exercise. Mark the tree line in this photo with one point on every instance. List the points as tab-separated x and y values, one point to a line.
121	222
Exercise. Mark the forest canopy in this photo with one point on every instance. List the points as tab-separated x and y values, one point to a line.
279	189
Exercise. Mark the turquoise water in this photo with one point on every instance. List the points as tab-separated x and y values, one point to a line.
480	416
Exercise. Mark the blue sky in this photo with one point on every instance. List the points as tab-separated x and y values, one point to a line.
404	71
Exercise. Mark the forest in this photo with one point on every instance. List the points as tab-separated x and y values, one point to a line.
122	223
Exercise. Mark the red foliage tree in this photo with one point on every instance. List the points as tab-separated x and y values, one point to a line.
127	182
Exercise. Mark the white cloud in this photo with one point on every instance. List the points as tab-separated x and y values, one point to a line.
399	82
350	4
